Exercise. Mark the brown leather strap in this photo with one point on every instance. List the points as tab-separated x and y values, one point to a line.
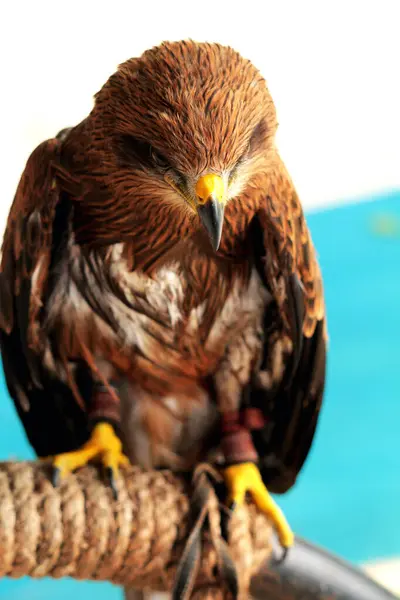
252	418
238	447
236	440
189	564
104	405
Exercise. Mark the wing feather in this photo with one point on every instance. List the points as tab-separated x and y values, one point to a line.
293	403
52	418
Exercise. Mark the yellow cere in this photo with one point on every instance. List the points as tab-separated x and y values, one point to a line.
210	186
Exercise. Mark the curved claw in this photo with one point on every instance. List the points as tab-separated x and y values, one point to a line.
112	476
55	476
245	477
279	560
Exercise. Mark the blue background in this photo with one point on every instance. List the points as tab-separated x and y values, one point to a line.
348	495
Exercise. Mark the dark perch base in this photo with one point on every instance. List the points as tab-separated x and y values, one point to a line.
311	573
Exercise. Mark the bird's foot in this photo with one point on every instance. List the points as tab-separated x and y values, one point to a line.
104	445
245	477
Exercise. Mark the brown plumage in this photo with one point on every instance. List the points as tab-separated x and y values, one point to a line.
109	278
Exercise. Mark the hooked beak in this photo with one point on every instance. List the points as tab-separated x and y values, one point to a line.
210	192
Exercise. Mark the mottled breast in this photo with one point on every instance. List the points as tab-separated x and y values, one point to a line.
186	310
181	318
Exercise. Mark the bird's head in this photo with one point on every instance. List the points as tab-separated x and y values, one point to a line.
187	124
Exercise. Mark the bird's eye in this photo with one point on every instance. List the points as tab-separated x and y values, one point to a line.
258	135
135	150
132	149
159	160
256	140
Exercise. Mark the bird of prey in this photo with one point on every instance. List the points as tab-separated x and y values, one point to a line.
161	300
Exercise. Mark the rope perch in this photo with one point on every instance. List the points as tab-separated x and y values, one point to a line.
79	530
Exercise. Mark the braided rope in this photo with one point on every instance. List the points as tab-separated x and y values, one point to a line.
79	530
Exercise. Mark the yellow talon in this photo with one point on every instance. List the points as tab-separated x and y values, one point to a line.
245	477
103	445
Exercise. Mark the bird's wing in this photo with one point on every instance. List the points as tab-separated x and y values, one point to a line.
36	230
289	387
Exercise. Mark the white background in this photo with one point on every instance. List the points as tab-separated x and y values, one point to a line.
333	69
